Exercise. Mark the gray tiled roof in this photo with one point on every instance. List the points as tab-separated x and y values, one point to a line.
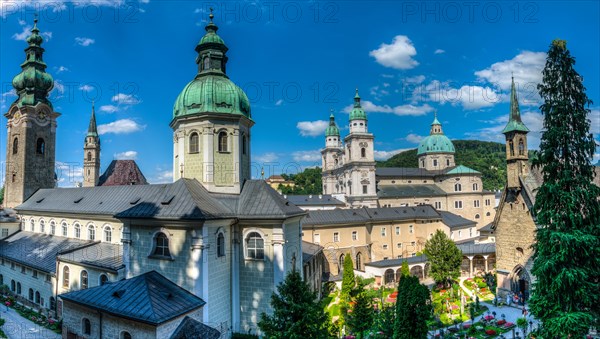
313	200
455	221
150	298
409	191
185	199
407	172
309	250
473	248
101	255
362	215
37	250
398	262
487	228
192	329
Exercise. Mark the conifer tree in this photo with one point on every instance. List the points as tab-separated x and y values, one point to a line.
361	318
445	258
296	312
348	281
567	250
413	309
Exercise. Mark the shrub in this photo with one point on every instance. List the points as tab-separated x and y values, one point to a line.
490	332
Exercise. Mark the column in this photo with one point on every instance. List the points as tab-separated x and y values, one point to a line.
423	267
470	266
278	266
486	262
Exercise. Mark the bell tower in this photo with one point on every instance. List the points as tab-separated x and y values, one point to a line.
332	157
516	143
30	148
91	154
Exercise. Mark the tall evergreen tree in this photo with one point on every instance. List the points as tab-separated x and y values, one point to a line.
567	250
413	309
296	312
445	258
348	281
361	318
404	269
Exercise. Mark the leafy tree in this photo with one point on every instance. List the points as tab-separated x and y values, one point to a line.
361	318
413	309
306	182
444	257
566	256
296	312
1	195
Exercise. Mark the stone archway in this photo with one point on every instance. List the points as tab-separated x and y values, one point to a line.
389	276
520	282
417	271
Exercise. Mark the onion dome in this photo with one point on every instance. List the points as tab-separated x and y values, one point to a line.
357	112
33	83
436	142
332	130
211	91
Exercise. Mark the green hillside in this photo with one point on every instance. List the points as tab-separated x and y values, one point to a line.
489	158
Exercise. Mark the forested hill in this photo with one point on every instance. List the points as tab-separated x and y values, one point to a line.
489	158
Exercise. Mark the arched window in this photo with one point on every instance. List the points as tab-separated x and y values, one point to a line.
37	297
457	187
103	279
91	232
476	216
335	162
107	234
220	245
32	225
84	280
30	294
519	252
66	276
52	303
40	147
255	246
244	146
358	261
52	227
65	229
512	148
363	152
89	156
12	285
1	279
16	146
19	288
341	262
223	141
161	245
194	145
125	335
86	326
42	226
77	228
487	214
206	63
521	147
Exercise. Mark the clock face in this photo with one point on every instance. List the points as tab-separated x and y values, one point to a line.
17	115
41	116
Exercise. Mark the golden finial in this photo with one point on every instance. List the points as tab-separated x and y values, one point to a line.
211	15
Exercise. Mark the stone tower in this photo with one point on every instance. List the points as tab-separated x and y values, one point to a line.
332	157
516	143
360	160
436	151
211	122
30	148
91	154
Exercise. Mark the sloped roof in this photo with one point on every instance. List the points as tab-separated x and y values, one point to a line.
455	221
122	172
309	250
38	250
149	298
259	200
103	255
313	200
409	191
398	262
192	329
411	172
460	169
472	248
363	215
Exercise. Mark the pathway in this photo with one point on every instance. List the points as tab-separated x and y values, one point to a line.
17	327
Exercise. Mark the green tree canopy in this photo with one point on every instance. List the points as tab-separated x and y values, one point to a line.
444	257
404	269
361	318
413	309
296	312
348	280
565	295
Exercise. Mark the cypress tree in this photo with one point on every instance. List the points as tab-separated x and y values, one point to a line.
413	309
566	256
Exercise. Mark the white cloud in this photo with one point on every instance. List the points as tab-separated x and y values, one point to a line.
470	97
439	51
417	79
8	7
307	156
6	96
533	120
84	41
384	155
61	69
127	155
267	157
109	108
312	128
396	55
414	138
122	126
68	174
125	99
400	110
163	177
279	102
59	87
86	88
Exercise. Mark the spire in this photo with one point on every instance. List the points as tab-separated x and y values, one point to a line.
92	129
435	120
357	99
436	125
514	118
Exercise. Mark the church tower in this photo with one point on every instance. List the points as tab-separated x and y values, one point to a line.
211	122
436	151
91	154
30	148
516	143
332	157
360	160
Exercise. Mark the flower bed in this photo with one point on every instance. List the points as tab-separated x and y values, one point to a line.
34	316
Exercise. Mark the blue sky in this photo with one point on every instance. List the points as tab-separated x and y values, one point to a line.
296	61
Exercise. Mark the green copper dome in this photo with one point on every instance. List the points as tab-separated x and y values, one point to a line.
436	142
211	94
357	111
332	130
